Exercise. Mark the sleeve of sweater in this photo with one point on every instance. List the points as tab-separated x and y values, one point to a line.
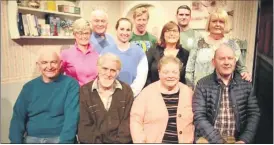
86	125
190	67
137	116
240	66
19	118
124	135
202	125
141	77
71	110
253	118
149	55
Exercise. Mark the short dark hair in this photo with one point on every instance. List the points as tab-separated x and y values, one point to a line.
122	19
183	7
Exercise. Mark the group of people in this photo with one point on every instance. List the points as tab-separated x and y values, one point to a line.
182	88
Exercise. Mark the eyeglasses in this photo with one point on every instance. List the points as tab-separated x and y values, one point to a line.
81	34
174	31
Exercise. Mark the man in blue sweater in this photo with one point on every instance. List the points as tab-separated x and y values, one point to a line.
47	108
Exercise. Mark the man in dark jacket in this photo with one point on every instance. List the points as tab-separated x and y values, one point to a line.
225	108
105	105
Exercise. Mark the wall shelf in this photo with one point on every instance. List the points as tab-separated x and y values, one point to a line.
46	37
13	10
35	11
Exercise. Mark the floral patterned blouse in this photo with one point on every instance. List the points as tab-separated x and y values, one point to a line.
199	62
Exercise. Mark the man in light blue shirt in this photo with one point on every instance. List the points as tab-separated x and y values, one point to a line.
99	38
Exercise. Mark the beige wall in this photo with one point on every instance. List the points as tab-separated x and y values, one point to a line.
18	57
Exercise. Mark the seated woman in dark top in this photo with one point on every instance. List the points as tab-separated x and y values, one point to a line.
169	44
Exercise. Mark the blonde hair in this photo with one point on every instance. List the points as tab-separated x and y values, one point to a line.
109	56
140	11
80	25
170	59
221	14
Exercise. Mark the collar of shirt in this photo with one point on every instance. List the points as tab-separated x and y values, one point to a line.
99	37
102	41
89	50
221	82
56	79
117	85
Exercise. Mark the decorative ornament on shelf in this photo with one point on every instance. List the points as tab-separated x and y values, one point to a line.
34	4
67	26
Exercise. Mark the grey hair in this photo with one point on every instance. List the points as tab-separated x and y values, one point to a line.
229	44
43	51
98	10
109	56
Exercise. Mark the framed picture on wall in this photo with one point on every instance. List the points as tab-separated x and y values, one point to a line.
200	10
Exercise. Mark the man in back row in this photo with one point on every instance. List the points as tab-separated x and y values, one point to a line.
99	38
188	36
140	36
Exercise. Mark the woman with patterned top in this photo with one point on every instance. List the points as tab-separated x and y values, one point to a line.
162	113
199	61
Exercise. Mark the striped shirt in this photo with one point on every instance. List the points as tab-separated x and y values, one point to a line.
171	101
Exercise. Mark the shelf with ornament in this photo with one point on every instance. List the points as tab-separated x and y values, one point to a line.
39	15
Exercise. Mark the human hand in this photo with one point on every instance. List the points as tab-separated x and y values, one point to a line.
246	76
239	142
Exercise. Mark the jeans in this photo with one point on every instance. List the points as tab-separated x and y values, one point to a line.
38	140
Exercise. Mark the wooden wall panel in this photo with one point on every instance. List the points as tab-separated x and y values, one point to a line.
244	27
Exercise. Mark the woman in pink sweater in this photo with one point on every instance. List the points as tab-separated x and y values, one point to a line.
79	61
162	113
